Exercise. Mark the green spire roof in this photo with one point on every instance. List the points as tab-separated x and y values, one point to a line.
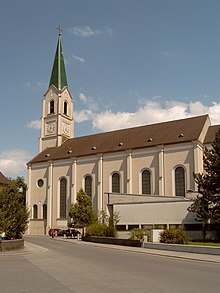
58	75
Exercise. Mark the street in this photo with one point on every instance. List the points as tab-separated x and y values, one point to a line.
79	267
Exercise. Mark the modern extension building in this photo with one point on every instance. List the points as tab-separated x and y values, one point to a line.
145	173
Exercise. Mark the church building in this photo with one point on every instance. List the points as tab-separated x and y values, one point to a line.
145	173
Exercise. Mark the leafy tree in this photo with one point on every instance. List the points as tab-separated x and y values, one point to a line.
81	212
13	212
104	226
111	220
207	203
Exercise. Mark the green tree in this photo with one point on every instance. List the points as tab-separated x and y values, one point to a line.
207	203
13	212
81	212
110	220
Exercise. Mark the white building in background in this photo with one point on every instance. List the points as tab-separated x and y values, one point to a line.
144	173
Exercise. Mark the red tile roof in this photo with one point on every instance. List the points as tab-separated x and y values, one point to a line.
210	136
172	132
4	180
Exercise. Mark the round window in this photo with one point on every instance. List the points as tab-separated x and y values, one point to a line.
40	183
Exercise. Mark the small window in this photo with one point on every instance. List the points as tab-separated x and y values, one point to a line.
52	107
65	108
44	211
146	182
88	185
63	196
116	182
35	211
40	182
180	181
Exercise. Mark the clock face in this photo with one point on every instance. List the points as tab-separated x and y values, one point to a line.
51	127
66	128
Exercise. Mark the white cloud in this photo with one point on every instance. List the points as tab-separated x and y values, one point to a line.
34	85
87	31
83	98
35	124
150	111
83	115
13	162
89	102
80	59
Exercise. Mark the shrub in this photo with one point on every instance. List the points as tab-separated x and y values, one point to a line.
99	229
174	236
138	234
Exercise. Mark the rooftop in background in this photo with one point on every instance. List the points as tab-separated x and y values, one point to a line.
211	134
4	180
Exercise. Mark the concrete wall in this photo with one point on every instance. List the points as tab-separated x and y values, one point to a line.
183	248
37	227
112	240
164	212
8	245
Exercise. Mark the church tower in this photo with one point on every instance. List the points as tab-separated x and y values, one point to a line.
57	123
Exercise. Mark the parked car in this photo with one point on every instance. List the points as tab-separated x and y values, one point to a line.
66	233
61	232
71	233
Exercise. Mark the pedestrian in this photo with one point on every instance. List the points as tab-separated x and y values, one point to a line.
3	235
52	233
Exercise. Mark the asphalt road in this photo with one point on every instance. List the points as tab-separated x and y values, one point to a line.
78	267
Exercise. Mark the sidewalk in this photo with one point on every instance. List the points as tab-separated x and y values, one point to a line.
175	254
29	248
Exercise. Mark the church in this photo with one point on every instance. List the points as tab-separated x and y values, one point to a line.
144	173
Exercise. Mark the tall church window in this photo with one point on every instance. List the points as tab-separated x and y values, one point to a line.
52	107
146	182
35	211
88	185
115	182
180	181
44	211
65	108
63	189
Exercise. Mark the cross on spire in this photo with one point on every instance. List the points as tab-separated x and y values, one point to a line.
59	30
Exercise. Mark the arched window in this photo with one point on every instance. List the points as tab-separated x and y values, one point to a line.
35	211
52	107
44	211
180	181
146	182
65	108
88	185
115	182
63	198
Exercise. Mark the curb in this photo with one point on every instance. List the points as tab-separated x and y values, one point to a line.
149	251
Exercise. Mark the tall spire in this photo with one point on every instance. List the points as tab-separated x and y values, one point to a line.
58	75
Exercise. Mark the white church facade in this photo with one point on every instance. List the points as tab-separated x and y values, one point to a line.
145	173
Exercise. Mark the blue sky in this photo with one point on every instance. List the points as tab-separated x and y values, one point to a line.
128	63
